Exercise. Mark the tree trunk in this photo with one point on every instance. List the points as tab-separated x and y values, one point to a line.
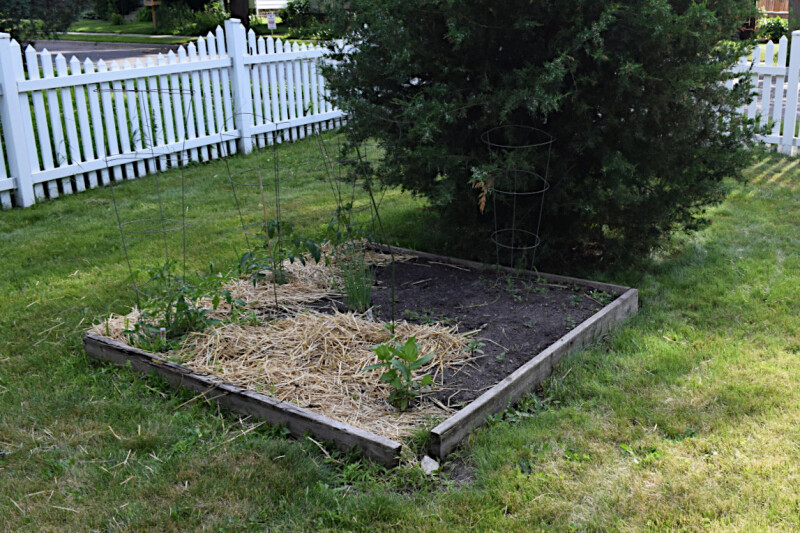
240	9
794	15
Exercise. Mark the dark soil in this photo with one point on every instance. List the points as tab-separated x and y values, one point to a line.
516	316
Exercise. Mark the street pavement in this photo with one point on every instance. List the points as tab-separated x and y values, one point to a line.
108	52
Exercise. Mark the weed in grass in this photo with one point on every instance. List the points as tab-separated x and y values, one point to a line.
576	456
643	455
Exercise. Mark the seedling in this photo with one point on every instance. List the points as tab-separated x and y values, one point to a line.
475	346
601	297
400	361
426	316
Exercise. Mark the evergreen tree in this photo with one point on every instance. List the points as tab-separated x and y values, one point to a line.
27	19
632	91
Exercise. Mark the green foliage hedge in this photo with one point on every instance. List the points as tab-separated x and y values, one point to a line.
179	18
773	28
645	132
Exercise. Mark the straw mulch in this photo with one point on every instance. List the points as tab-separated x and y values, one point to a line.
312	359
113	326
316	361
307	283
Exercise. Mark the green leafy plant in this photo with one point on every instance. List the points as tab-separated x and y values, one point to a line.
475	347
642	143
427	316
349	175
279	245
144	15
601	297
181	19
173	307
356	276
773	28
400	361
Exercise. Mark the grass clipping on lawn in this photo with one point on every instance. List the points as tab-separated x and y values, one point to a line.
311	359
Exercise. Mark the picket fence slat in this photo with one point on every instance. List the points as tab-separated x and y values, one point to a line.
298	89
209	127
187	115
227	103
135	132
216	93
263	70
69	125
255	84
157	137
85	136
165	98
272	73
6	184
197	100
93	93
107	94
86	124
59	142
117	97
39	112
282	88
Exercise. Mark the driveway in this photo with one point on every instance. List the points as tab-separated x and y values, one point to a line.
108	52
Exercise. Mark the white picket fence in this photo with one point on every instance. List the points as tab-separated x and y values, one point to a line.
775	90
72	126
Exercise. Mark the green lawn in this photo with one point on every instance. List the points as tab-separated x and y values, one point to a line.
687	417
104	26
126	39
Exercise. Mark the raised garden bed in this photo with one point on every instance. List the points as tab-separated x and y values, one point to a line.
521	325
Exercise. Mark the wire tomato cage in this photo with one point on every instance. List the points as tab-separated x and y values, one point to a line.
517	181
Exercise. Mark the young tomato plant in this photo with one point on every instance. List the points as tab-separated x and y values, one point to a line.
173	306
400	361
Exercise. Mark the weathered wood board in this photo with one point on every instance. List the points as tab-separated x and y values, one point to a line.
444	437
298	420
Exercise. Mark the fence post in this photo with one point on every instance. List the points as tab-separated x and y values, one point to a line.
15	115
240	83
792	86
